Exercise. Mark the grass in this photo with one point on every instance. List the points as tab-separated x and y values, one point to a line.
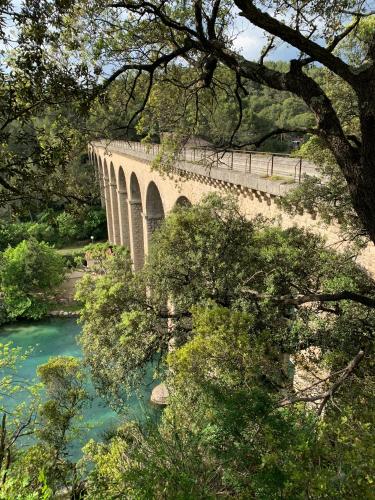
77	246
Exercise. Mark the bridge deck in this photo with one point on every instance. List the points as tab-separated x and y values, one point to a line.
137	198
274	173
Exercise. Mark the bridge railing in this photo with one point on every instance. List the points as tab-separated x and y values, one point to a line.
277	166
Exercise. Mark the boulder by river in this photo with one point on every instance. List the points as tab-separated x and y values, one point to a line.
160	395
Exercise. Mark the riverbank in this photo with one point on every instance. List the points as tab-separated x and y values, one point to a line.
63	314
64	305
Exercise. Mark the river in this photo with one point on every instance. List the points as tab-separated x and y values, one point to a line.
58	337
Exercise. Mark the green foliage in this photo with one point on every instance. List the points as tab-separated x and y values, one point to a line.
216	305
216	116
28	275
67	227
111	292
17	420
225	431
65	385
56	227
223	292
41	231
210	252
11	234
222	433
80	225
94	223
39	144
26	480
44	469
327	194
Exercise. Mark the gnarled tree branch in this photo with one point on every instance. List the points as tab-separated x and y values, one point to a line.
325	396
295	38
298	300
258	142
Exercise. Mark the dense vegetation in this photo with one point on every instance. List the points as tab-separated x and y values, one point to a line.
29	273
84	70
243	328
215	120
175	67
56	227
31	269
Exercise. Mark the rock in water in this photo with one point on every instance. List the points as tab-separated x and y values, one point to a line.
160	394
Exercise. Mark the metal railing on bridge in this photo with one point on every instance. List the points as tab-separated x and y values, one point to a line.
275	166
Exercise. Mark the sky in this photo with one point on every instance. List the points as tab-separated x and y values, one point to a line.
250	41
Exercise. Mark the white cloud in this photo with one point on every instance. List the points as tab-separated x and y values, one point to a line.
250	40
249	44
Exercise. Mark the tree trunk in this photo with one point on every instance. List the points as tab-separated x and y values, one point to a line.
363	190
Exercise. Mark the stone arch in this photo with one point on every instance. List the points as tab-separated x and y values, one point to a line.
137	247
107	197
154	210
99	172
183	201
114	205
154	204
122	194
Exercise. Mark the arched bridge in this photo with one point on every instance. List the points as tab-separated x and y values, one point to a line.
137	197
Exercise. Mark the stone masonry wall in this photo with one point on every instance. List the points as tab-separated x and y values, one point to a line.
194	186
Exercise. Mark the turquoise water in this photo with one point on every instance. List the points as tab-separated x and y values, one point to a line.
58	337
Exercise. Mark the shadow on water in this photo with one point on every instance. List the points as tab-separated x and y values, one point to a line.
58	337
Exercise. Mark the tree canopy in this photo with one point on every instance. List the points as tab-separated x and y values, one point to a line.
263	336
211	253
233	313
264	339
73	54
29	273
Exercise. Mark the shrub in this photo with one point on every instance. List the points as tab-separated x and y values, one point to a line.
28	275
67	226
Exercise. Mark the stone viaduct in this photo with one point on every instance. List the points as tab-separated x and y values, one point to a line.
137	197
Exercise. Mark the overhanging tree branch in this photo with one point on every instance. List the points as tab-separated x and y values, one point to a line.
147	67
338	38
8	186
212	20
295	38
298	300
240	109
325	396
258	142
158	12
358	14
300	84
267	49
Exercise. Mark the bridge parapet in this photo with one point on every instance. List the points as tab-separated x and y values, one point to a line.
272	173
137	197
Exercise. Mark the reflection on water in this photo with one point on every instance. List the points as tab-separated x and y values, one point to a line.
57	337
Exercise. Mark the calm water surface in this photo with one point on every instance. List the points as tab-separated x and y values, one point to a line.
58	337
